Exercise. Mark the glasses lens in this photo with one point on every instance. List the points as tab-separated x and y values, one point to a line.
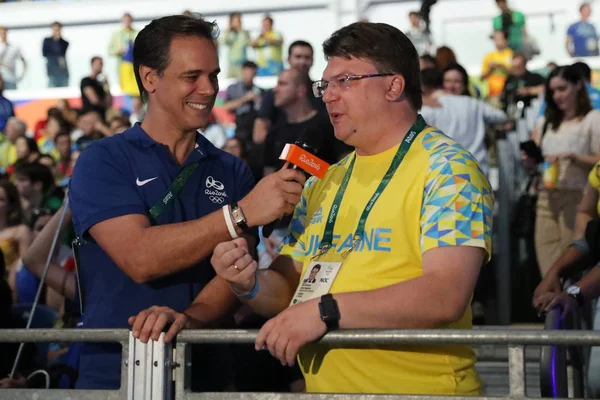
319	88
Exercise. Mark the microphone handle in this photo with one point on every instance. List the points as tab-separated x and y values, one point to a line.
269	228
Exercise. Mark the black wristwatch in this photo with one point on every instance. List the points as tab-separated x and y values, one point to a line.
330	313
238	217
575	292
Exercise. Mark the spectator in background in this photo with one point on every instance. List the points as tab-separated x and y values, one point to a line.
569	138
512	23
417	34
427	61
63	146
522	84
15	236
582	38
237	40
456	80
497	65
90	126
268	44
138	111
54	48
27	152
121	47
55	125
14	129
9	54
461	117
118	124
444	56
37	188
586	73
300	57
243	99
95	94
236	147
6	107
67	111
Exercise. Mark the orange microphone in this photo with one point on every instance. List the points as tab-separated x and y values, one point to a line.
300	155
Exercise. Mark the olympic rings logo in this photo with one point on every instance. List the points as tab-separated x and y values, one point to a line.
216	199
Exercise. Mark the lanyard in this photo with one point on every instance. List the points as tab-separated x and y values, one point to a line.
412	133
173	191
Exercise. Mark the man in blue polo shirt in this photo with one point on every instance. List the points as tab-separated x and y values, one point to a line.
6	107
151	204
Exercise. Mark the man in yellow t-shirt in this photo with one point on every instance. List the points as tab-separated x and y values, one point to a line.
268	45
399	229
497	65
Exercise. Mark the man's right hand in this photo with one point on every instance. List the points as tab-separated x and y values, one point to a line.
550	284
274	196
233	262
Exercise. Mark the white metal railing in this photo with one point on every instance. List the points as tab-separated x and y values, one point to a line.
516	340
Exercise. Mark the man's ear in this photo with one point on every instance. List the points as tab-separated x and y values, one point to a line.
149	78
395	91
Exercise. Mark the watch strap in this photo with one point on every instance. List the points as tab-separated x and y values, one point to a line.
329	311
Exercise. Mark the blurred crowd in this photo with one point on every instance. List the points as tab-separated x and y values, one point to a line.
37	162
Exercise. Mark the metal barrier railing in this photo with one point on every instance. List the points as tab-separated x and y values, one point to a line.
516	340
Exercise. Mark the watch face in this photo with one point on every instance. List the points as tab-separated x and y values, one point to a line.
575	290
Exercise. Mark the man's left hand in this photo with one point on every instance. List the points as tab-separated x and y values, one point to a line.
294	327
149	324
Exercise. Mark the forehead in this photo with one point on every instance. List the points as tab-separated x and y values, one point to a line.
453	74
193	53
351	66
301	50
557	82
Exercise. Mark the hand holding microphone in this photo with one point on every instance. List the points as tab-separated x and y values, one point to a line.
301	158
274	196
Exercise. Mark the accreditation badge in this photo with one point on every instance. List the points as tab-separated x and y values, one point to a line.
316	281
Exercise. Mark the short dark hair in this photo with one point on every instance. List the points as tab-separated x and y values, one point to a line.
415	13
234	14
317	267
586	4
299	43
61	134
584	70
432	78
153	43
429	58
94	59
386	46
518	54
36	172
249	64
269	18
56	23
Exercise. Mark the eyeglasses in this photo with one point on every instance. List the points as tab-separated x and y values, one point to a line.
319	87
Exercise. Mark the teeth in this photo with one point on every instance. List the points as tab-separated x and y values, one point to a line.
198	106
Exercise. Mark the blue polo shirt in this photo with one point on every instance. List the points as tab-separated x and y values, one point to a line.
127	174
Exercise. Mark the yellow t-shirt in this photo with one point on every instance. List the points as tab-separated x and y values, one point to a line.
497	79
594	179
437	197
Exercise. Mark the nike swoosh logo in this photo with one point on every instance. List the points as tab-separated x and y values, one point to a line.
142	183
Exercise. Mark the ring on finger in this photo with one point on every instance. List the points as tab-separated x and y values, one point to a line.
236	267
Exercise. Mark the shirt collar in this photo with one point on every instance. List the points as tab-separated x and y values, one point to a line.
138	136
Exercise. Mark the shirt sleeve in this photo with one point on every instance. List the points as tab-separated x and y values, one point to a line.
100	190
484	67
457	203
293	244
